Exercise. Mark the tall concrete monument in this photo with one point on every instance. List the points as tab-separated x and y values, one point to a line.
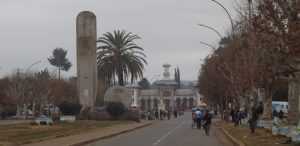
86	59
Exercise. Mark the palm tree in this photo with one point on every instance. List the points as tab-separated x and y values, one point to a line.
119	56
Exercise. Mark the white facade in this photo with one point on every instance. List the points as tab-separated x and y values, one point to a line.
165	96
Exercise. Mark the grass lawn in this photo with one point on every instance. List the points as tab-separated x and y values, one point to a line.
261	137
24	133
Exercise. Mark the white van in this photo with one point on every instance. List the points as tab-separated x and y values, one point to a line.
280	105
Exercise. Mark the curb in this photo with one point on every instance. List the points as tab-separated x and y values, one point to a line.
232	139
87	141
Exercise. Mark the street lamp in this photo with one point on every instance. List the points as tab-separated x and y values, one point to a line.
208	45
226	12
211	29
32	65
26	82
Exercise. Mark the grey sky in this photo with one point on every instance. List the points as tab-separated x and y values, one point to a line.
31	29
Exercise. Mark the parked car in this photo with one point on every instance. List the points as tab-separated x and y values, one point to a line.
280	105
44	120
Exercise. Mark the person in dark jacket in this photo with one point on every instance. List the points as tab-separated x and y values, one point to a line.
275	113
280	114
161	113
207	122
156	115
175	113
232	115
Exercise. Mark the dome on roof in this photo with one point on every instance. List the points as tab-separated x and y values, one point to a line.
166	65
118	94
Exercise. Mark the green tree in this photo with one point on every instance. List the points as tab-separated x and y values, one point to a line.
177	77
69	108
119	56
59	60
115	109
144	83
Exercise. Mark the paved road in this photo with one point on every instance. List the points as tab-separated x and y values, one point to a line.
174	132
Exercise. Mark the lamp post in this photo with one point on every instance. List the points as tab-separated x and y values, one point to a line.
211	29
226	12
32	65
26	84
208	45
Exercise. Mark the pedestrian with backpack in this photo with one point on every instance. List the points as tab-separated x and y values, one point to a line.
198	117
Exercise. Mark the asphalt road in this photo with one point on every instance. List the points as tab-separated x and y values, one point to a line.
174	132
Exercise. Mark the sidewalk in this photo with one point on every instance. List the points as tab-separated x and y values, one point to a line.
223	137
85	138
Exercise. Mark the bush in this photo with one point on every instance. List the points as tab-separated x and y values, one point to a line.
11	111
115	109
69	108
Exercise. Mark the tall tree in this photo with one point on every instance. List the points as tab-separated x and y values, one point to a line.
119	56
43	88
144	83
177	77
5	96
59	60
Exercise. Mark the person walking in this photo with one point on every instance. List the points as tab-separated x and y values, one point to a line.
175	113
275	117
168	114
239	117
207	122
156	115
280	114
161	113
232	115
198	117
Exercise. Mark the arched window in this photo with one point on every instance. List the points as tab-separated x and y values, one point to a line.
166	93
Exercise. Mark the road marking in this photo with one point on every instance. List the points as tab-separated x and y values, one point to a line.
166	135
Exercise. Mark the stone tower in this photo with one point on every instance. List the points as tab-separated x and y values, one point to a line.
166	73
86	37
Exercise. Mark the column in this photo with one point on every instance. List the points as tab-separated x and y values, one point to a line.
188	103
86	37
135	97
152	102
146	104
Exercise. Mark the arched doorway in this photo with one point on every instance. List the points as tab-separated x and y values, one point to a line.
156	103
191	102
184	103
167	103
166	94
148	104
143	104
178	103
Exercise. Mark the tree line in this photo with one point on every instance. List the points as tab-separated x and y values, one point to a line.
255	61
118	59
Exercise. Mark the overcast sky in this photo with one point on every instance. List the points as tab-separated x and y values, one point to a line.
31	29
